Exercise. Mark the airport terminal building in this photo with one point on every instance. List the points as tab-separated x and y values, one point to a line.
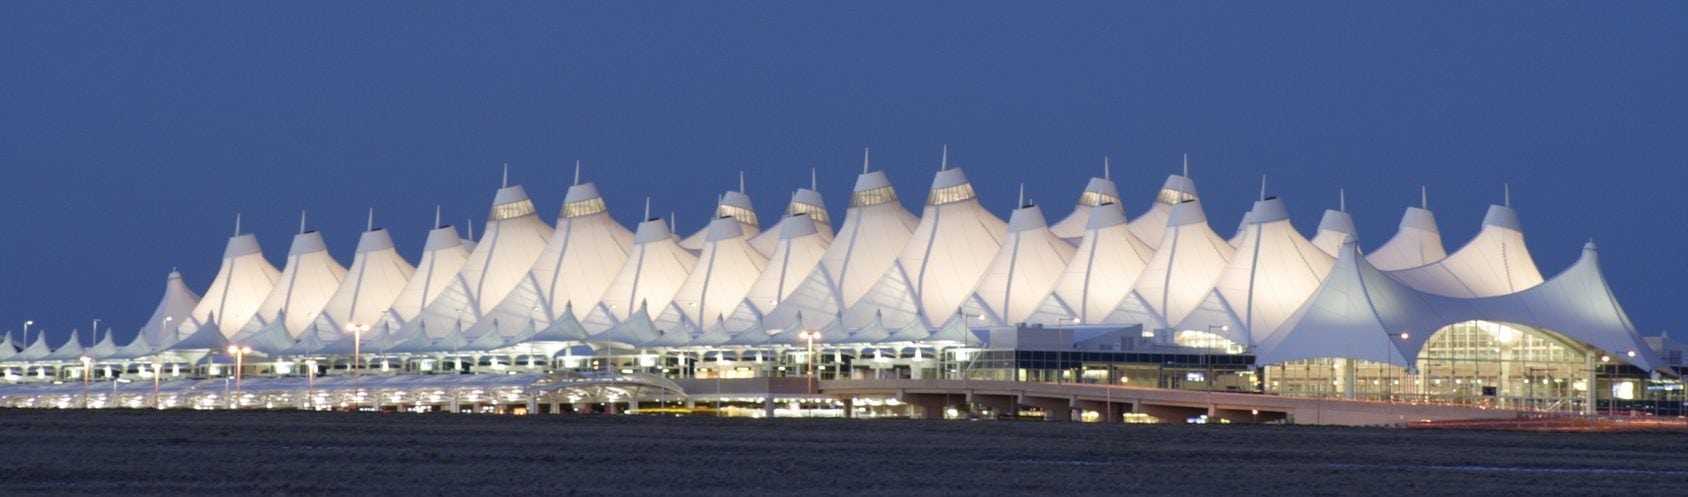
584	314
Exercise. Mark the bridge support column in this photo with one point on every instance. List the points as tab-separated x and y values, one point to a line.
768	406
849	408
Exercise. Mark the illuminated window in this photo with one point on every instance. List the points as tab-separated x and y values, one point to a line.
875	196
814	212
511	210
586	207
1094	199
743	215
950	194
1171	196
1205	340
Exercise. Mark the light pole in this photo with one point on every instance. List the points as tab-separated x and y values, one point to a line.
811	335
87	374
1207	357
1385	366
165	326
357	329
310	383
157	371
239	353
26	332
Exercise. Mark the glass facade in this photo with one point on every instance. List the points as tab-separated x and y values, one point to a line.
1488	363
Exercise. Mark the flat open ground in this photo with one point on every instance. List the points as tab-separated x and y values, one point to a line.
296	453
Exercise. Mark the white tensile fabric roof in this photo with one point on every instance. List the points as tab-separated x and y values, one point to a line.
1577	303
1360	313
958	266
733	204
1417	243
717	283
1236	239
174	308
1097	192
1100	272
1496	262
800	249
1334	227
875	229
242	282
578	263
1179	276
1023	271
1151	226
442	256
653	273
1271	274
307	281
806	202
377	275
947	253
513	240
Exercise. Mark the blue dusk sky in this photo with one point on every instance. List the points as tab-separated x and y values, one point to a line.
131	133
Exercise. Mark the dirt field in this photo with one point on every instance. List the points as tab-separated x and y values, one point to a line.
44	452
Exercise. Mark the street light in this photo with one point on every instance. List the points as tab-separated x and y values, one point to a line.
26	332
157	370
87	373
310	383
1385	366
811	335
1207	357
357	329
239	353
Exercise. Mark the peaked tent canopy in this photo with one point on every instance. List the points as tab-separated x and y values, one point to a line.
377	275
1272	273
1099	191
1417	243
1577	303
944	259
804	203
513	240
174	308
1151	226
1099	274
241	285
875	229
801	246
1358	313
307	281
1180	274
1334	227
1496	262
1023	271
734	205
653	273
442	257
717	283
575	268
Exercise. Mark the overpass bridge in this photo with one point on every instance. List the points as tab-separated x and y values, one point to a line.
1061	401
